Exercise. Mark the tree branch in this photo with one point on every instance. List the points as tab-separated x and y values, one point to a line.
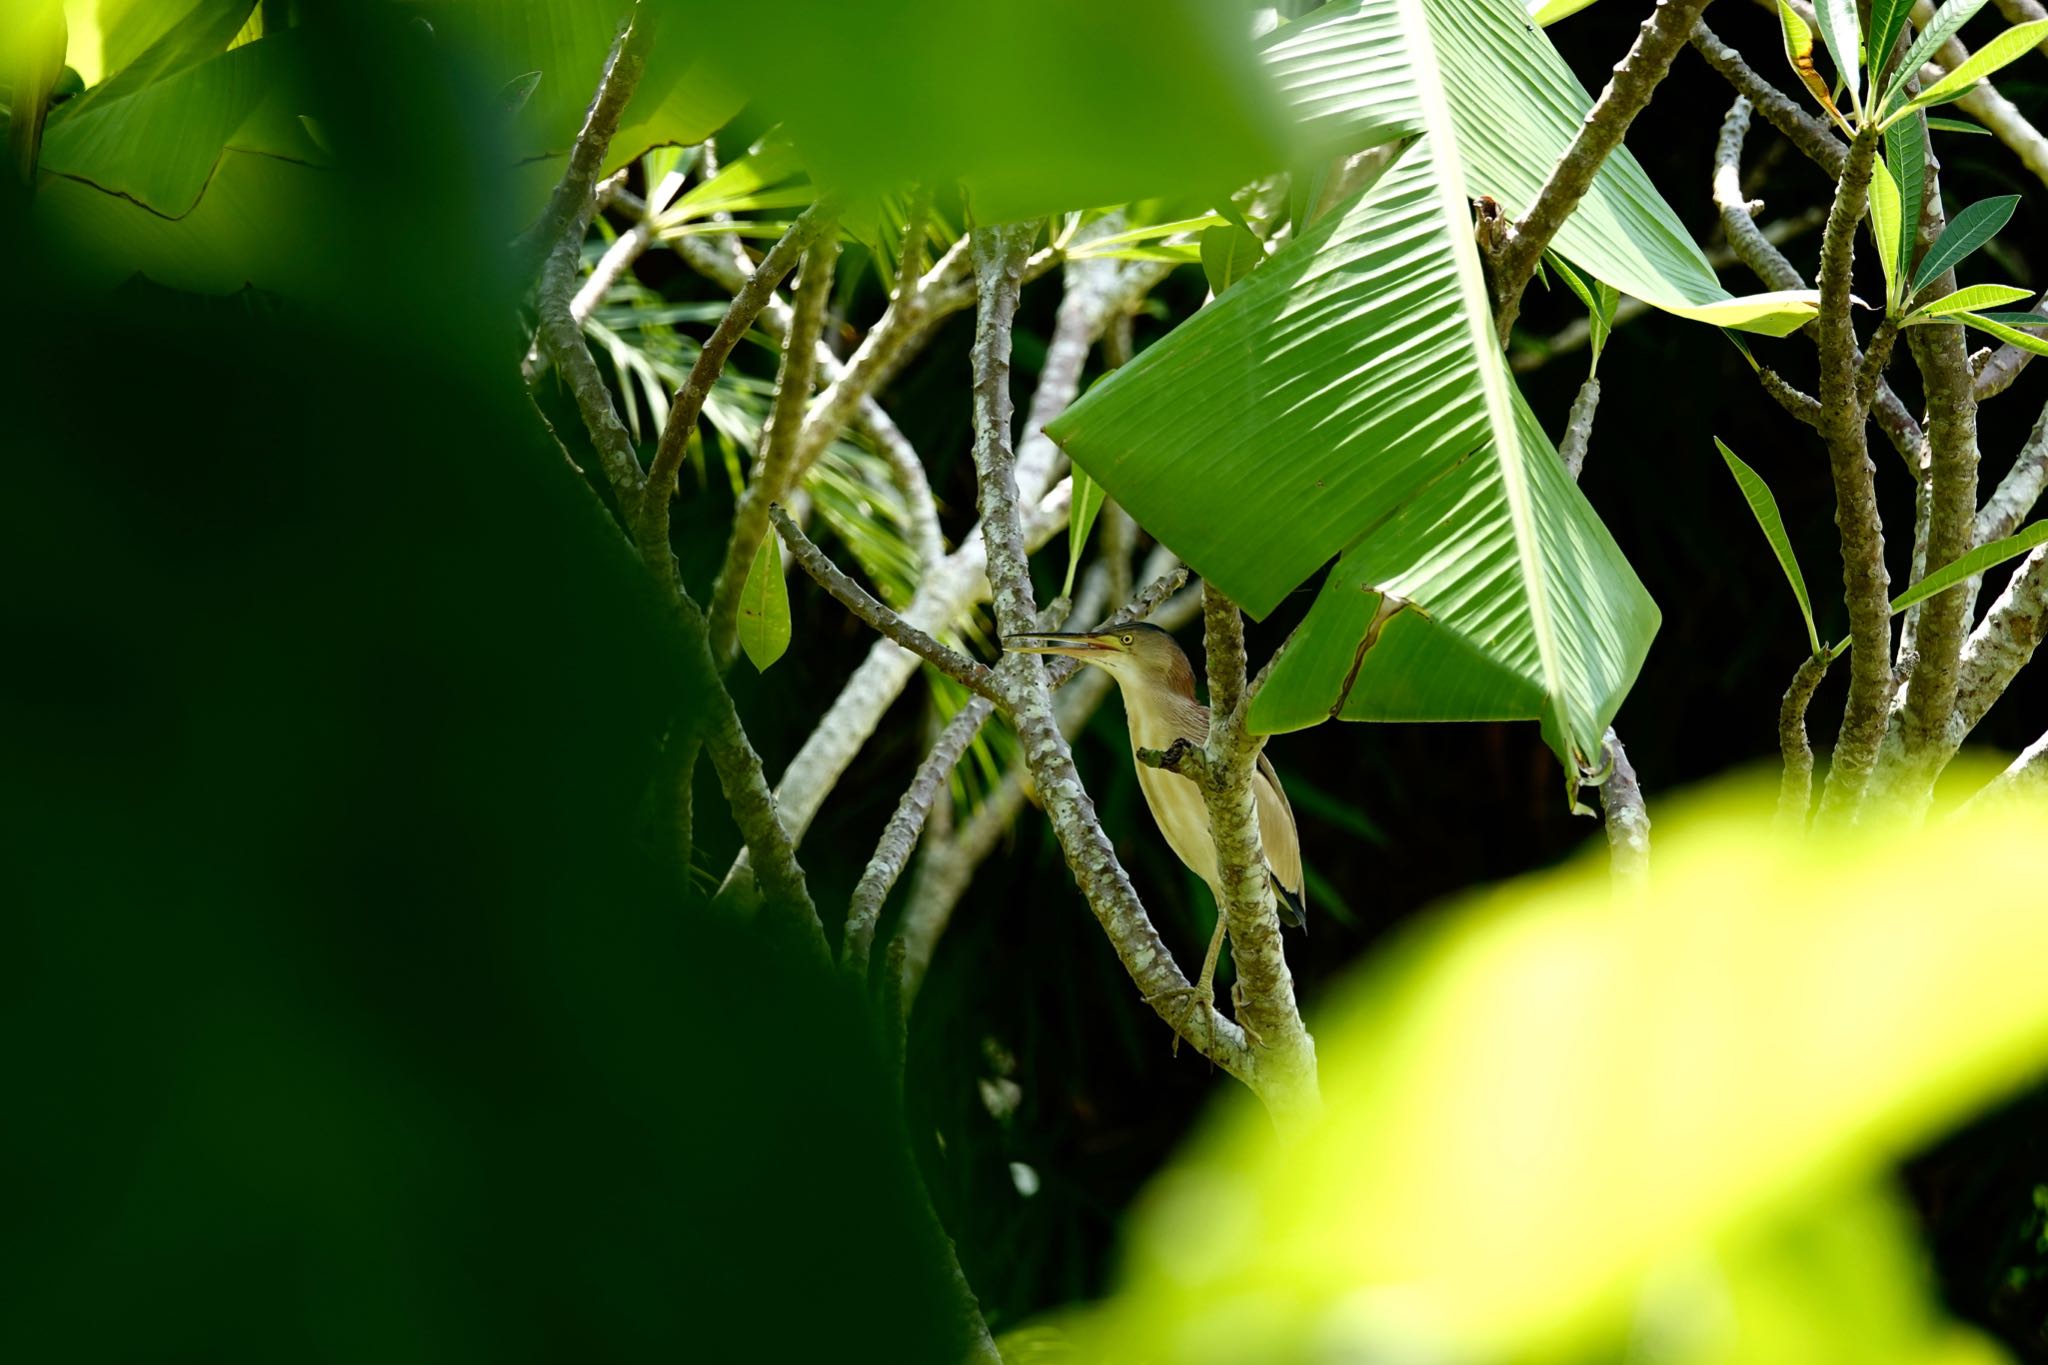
1864	581
1738	211
1797	402
775	468
2006	362
2018	491
573	200
1627	820
974	676
2026	777
1795	784
689	401
1999	648
1635	77
999	255
1809	134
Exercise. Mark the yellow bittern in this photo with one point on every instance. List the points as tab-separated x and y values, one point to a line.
1158	687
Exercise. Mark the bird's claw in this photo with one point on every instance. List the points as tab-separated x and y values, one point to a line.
1207	1006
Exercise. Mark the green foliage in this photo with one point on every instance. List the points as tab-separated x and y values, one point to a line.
1966	231
2006	327
764	606
1970	299
1947	20
2006	48
1971	564
1229	253
1887	22
1905	157
1087	501
1553	1127
1765	508
1839	29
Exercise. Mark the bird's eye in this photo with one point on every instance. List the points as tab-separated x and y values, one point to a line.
1127	639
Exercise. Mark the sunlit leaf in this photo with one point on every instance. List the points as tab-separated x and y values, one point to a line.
1885	226
1947	20
764	607
1973	299
2006	48
1547	12
1799	51
2007	332
1840	30
1764	507
1956	125
32	47
1553	1129
1970	565
1968	230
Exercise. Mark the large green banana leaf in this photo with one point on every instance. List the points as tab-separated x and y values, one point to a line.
1350	396
1516	106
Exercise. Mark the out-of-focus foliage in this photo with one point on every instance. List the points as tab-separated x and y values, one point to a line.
1565	1128
1036	106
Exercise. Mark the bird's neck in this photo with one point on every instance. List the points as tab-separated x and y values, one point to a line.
1160	715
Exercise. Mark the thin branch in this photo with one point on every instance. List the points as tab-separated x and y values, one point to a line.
563	340
1738	211
1627	821
1795	784
1999	648
573	200
974	676
1864	581
2025	778
652	530
1809	134
926	539
1635	77
1795	401
775	468
999	255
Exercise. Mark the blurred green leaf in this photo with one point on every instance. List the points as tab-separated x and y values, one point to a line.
764	607
1553	1126
1229	253
32	47
1764	507
1956	125
1125	100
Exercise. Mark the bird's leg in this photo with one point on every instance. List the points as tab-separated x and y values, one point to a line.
1205	984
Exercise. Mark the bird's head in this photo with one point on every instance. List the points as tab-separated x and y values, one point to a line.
1135	655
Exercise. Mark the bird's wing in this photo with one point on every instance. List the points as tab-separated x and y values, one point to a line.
1276	830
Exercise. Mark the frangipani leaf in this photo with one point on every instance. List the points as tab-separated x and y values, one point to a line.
1970	565
1764	507
1973	299
1957	125
1843	34
1947	20
1887	22
2007	332
1885	226
1905	156
2006	48
1967	231
1081	510
1549	1121
1799	52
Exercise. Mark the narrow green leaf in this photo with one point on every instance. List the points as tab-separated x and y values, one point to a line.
1957	125
764	606
1087	501
1765	508
2005	333
1947	20
2006	48
1967	231
1905	155
1974	299
1970	565
1735	338
1150	232
1799	51
1600	300
2021	318
1887	22
1885	225
1844	37
1229	253
1544	13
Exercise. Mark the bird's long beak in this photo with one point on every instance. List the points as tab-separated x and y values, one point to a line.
1076	643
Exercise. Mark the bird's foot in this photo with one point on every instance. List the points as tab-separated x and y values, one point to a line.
1176	993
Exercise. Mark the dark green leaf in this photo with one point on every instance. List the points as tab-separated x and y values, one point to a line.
1905	155
1764	507
1956	125
1947	20
2014	319
1229	253
1887	22
764	606
1967	231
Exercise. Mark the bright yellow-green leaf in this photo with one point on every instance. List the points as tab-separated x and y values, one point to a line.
764	607
1551	1122
1799	52
1547	12
1885	225
2026	341
32	40
1971	564
1972	299
2006	48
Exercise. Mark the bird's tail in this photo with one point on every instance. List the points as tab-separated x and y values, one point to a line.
1293	907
